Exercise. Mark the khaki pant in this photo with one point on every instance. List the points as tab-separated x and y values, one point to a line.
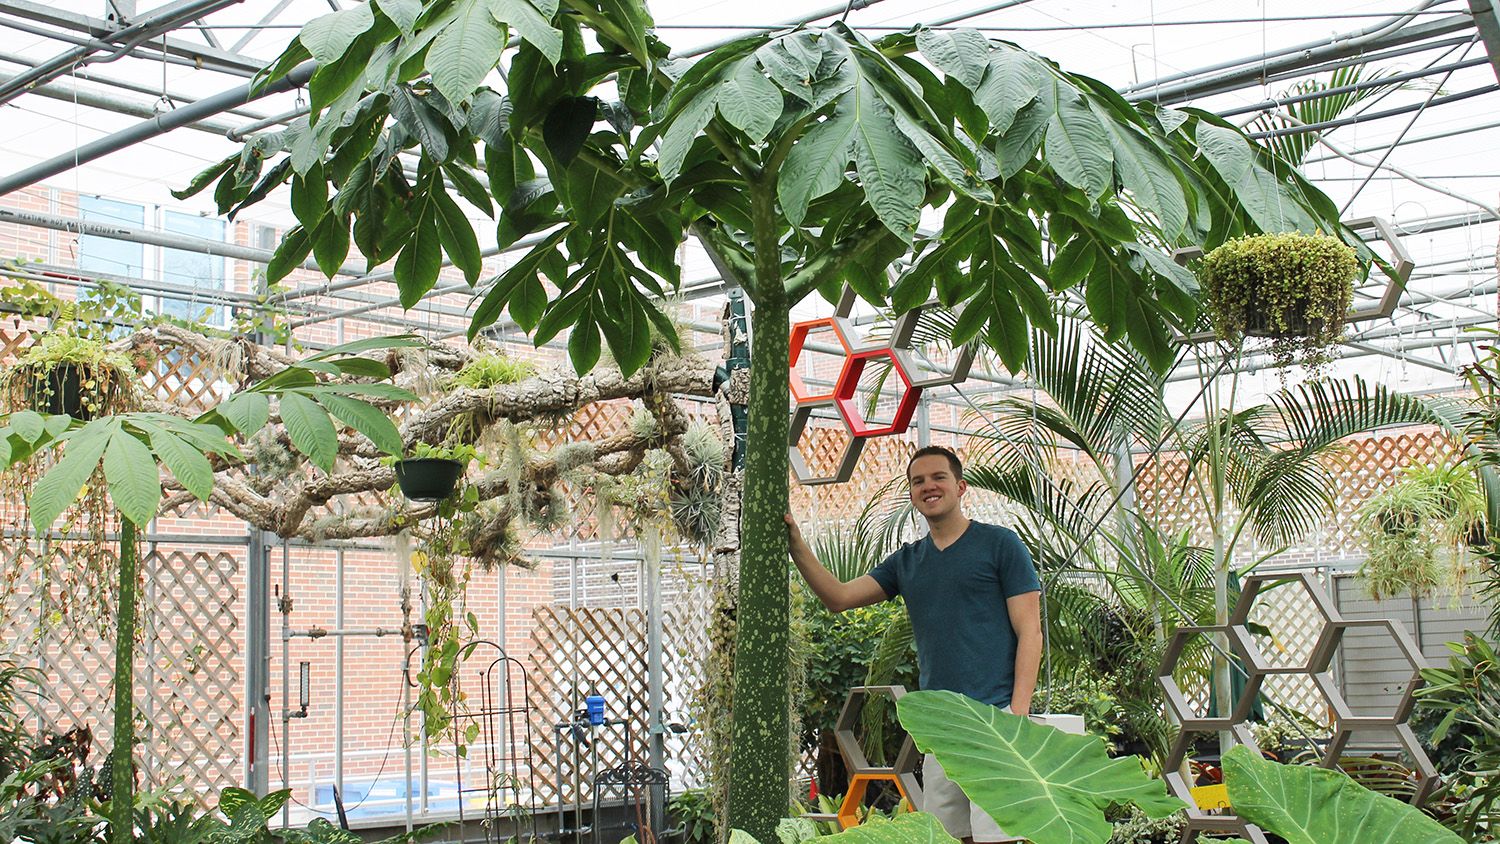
962	819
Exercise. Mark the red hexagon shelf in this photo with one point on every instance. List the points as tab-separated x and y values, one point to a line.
848	385
840	329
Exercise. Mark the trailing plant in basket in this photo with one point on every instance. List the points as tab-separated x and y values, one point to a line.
1293	288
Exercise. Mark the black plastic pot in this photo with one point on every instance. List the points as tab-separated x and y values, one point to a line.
1258	324
60	391
428	478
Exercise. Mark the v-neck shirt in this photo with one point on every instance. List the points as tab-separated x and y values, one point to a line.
956	599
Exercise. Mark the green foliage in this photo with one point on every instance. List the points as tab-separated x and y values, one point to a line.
461	452
1418	530
492	370
105	378
1295	288
1035	781
1312	805
1137	828
903	828
841	648
693	811
802	159
1466	696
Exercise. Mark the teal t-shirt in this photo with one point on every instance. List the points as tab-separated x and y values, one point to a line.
956	599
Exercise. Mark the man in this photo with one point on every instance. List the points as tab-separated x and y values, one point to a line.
974	600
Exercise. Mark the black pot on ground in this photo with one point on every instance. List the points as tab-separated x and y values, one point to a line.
59	390
428	478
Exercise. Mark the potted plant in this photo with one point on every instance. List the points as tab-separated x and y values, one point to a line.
431	472
72	375
1291	288
1420	531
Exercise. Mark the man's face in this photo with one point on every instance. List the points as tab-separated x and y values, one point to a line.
935	492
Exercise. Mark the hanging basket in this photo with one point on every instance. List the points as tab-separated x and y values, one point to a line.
60	390
428	478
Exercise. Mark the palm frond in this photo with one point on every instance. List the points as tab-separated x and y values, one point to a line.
1317	414
1323	109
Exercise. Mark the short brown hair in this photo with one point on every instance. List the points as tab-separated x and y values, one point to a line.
937	451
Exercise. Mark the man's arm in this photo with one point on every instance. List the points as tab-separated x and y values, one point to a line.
1026	619
835	594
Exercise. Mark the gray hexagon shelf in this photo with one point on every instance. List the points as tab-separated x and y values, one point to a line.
1318	665
905	766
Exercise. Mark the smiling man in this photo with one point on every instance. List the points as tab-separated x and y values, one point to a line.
974	600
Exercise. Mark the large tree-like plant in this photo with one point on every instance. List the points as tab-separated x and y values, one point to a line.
801	159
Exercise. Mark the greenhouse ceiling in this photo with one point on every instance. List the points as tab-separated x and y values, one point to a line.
105	98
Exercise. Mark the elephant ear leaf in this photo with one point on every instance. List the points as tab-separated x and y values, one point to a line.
1308	805
907	828
1036	781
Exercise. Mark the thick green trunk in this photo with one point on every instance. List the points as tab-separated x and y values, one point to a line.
122	797
758	785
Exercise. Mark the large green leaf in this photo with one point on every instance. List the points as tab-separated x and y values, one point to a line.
59	488
817	163
310	429
1308	805
1035	781
679	137
465	51
328	36
905	828
748	100
186	463
533	25
1077	146
891	170
366	419
1013	80
134	480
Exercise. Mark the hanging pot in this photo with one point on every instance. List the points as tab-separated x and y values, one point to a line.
428	478
60	390
1258	324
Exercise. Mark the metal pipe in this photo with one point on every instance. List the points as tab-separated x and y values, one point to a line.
1247	71
200	55
159	125
338	673
134	87
93	99
1356	38
1357	86
170	240
124	40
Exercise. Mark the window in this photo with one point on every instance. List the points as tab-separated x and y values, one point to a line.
105	254
193	269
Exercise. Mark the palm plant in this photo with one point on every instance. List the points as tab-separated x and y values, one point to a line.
1111	575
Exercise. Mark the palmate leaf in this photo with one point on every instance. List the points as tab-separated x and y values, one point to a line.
1037	782
134	481
59	488
465	51
1308	805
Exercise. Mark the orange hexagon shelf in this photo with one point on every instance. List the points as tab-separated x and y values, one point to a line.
854	798
801	392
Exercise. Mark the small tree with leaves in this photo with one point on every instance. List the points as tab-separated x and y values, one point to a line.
124	453
802	160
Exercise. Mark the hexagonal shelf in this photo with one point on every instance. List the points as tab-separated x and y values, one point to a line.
1322	663
802	332
1250	590
844	466
849	407
904	769
854	798
902	339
